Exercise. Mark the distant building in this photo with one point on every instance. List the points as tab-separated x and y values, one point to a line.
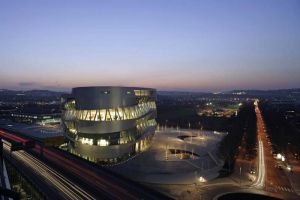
41	113
109	124
32	118
47	135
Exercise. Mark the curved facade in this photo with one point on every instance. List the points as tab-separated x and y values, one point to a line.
109	124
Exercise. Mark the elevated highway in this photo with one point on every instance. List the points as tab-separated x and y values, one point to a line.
60	175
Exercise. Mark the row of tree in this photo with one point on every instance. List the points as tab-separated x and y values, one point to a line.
185	116
283	126
244	124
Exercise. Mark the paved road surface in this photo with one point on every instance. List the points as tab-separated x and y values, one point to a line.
54	184
275	179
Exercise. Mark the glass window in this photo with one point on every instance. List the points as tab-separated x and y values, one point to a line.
124	113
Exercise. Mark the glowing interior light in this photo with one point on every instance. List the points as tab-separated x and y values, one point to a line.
102	142
87	141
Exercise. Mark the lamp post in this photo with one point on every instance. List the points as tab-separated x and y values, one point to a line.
166	125
166	152
193	153
240	175
191	137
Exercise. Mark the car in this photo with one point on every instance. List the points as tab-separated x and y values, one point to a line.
252	171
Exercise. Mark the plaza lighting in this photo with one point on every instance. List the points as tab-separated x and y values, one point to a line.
201	179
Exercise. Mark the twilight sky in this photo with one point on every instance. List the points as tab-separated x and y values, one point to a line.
166	44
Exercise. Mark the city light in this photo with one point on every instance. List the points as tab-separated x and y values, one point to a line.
193	99
217	133
279	156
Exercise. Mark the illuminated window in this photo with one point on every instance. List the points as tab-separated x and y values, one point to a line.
124	113
86	141
102	142
140	93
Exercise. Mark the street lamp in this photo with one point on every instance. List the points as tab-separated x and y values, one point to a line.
193	153
240	176
166	152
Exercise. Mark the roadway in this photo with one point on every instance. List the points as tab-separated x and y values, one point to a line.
270	177
96	180
269	180
260	180
54	184
73	177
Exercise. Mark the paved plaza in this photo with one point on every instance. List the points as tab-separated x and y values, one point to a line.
176	157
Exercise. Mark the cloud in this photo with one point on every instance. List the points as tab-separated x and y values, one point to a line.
56	88
26	84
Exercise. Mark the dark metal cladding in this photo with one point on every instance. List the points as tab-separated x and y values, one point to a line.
107	97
